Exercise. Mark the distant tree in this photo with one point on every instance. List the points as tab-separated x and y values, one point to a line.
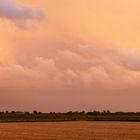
83	112
104	112
1	112
13	112
6	112
108	112
69	113
35	112
27	113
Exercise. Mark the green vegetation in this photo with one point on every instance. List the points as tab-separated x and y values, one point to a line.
69	116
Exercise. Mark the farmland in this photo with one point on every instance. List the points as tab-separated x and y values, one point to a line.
81	130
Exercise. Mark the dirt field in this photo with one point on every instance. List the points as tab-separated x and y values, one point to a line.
70	131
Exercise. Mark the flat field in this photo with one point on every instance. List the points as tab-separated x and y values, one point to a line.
84	130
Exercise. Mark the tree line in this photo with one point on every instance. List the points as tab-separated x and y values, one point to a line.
94	112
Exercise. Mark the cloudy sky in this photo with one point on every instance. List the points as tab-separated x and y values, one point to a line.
61	55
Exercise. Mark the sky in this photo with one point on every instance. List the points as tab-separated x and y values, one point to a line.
62	55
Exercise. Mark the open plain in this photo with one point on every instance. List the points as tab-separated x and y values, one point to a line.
84	130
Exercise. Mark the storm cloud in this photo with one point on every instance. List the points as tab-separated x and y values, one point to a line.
87	56
20	14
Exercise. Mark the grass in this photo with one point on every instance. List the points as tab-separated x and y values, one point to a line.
65	117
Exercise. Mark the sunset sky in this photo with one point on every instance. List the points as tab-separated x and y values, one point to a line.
62	55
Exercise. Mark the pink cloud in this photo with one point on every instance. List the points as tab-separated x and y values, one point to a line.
76	72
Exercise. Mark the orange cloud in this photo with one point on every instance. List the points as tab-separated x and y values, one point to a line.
85	57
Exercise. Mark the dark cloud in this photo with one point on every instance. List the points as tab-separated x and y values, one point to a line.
19	14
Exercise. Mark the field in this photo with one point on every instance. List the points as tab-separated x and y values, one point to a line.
83	130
